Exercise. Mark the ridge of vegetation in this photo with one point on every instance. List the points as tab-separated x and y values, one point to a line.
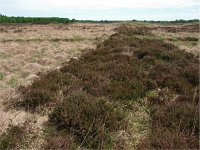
177	21
90	98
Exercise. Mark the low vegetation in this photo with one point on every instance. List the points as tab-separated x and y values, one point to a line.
90	120
13	138
180	21
90	97
43	20
174	121
38	20
46	20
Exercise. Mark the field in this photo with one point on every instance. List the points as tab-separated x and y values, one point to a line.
101	86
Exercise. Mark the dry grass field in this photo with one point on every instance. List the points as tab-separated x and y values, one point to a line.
26	50
90	85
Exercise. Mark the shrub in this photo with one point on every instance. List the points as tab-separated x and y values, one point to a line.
34	98
57	140
91	120
175	123
191	74
109	72
163	138
13	138
43	90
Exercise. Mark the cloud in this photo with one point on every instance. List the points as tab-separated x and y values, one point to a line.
114	4
98	4
103	9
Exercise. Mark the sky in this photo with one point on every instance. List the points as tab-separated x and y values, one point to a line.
103	9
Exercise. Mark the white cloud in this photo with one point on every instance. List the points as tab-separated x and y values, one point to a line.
103	9
98	4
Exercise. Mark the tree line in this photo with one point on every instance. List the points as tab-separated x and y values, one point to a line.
39	20
44	20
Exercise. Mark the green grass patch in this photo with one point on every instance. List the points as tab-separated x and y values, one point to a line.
1	76
4	55
12	82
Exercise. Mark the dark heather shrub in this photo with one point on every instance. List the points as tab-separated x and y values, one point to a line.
90	120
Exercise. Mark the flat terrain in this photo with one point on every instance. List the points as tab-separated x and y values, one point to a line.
26	50
99	61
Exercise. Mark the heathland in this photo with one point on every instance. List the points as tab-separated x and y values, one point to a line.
116	85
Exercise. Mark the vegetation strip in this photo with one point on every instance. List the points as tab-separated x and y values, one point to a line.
42	40
91	98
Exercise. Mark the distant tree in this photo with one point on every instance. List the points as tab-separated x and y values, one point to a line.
73	20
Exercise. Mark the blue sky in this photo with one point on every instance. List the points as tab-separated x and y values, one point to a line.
104	9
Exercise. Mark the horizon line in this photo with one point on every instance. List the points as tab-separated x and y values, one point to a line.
98	19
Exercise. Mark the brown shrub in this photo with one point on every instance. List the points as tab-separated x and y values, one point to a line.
57	140
175	123
107	72
189	39
128	30
18	31
2	30
163	138
89	120
182	28
13	138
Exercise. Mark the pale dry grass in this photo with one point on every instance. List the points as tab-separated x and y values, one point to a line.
174	38
26	50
